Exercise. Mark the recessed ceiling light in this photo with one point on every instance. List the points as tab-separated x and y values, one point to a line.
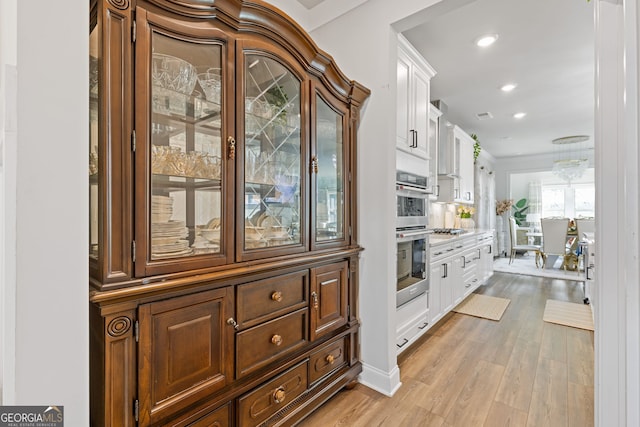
508	87
519	115
486	40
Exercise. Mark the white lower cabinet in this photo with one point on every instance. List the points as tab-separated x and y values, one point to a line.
412	320
456	269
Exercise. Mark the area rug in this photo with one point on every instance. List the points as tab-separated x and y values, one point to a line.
527	265
568	314
484	306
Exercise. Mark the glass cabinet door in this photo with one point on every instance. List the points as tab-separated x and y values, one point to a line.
93	142
272	153
185	210
328	164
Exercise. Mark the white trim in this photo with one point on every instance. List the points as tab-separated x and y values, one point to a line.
617	329
386	383
632	249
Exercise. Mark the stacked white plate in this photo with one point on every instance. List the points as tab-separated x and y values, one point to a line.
168	240
161	209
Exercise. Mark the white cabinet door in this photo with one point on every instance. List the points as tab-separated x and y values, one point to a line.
432	147
403	107
466	169
435	283
421	111
413	90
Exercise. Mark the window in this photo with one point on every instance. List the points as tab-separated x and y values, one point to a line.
569	202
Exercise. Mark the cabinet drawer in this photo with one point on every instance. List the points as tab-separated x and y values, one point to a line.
325	360
267	299
408	333
262	403
261	345
217	418
438	252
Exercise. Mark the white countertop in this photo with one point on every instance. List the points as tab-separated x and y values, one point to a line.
438	239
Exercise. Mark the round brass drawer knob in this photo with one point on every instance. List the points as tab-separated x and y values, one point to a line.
330	359
276	339
276	296
279	395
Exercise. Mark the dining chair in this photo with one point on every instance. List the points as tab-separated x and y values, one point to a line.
554	238
585	225
513	232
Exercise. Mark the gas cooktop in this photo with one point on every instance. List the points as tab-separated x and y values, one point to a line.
447	230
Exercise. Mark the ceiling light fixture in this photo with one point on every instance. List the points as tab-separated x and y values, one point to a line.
486	40
570	163
508	87
519	115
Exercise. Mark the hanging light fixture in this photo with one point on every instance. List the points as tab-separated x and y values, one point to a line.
571	162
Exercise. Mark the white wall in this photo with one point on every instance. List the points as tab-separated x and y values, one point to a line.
8	45
51	151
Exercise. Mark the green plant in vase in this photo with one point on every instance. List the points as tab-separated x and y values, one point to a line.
519	211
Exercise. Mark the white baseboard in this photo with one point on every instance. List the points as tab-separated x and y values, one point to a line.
386	383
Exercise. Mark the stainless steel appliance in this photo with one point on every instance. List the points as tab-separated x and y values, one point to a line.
412	278
411	200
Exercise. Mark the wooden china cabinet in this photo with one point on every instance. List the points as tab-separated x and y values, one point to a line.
223	250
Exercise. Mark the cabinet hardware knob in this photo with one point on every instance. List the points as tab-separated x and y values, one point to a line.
330	359
232	147
232	322
314	296
276	339
279	395
276	296
314	164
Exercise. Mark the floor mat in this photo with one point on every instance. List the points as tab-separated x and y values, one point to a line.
568	314
484	306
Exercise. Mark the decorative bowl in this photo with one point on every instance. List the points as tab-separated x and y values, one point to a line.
170	72
211	83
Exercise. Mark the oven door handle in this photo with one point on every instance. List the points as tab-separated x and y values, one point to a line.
413	233
407	190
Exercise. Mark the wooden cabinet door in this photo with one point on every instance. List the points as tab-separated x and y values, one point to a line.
328	298
330	160
185	351
184	167
435	284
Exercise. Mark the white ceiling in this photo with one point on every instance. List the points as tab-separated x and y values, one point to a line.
546	47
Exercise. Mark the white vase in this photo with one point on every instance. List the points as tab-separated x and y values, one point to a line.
467	223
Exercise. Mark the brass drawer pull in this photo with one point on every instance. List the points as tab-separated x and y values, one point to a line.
276	339
276	296
231	321
314	296
330	359
279	395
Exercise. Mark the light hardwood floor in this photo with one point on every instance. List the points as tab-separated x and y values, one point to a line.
467	371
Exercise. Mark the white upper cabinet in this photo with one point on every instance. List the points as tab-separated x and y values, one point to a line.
456	168
432	148
412	125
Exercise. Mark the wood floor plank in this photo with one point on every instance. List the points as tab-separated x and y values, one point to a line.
474	401
580	405
516	387
554	342
445	374
580	356
501	415
549	399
